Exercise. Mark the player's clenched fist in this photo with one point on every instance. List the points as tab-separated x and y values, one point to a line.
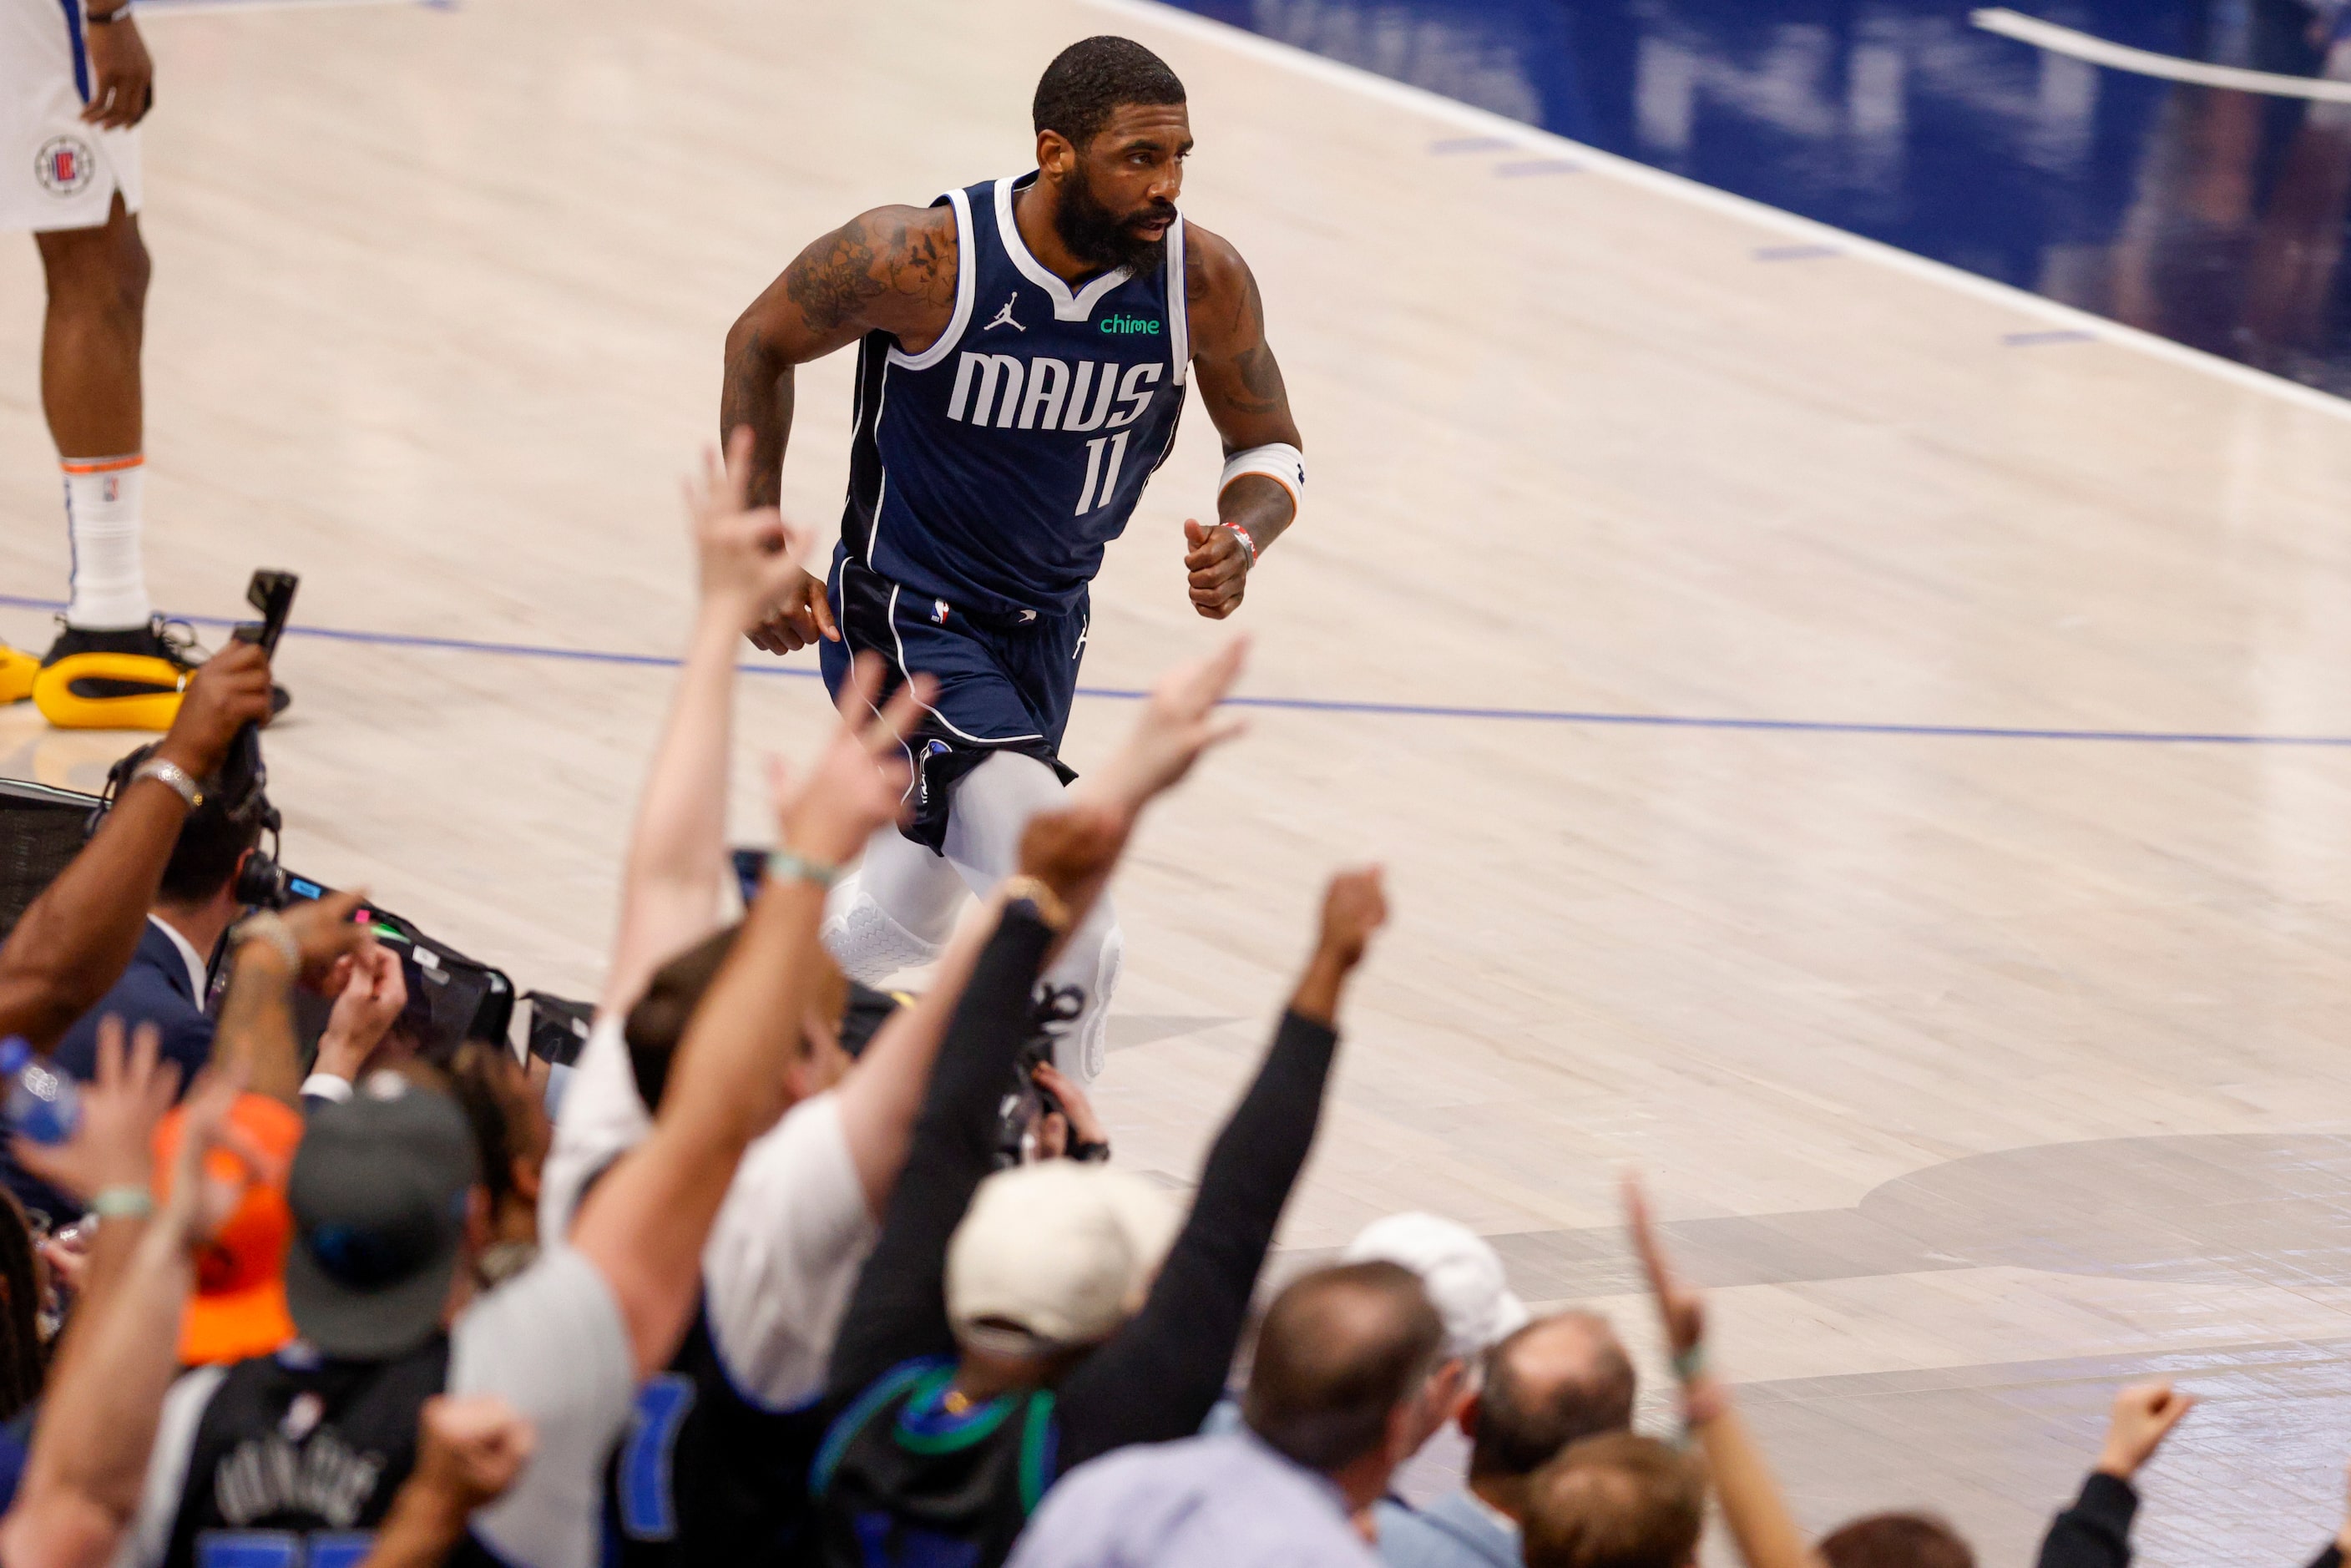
795	619
1355	906
1219	564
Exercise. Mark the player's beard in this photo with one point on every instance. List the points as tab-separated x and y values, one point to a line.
1096	235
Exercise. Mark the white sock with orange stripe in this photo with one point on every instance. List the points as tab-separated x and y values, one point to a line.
102	516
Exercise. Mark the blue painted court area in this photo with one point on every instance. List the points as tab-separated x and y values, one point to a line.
2210	216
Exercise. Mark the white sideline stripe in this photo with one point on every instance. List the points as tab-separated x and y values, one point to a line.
192	7
2098	51
1610	166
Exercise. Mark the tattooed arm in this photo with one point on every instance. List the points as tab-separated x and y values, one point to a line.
891	270
1241	385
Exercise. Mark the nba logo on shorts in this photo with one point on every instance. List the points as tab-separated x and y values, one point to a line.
938	611
63	165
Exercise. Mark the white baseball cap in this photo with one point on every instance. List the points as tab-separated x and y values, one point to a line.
1055	1254
1462	1275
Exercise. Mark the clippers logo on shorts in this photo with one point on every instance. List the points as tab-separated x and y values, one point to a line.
65	165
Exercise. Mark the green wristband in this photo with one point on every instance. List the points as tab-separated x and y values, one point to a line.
1689	1364
123	1203
786	865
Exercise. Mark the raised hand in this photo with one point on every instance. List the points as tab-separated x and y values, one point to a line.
206	1191
1353	908
473	1447
324	934
859	784
1078	1122
748	555
374	992
1178	723
227	692
114	1144
1681	1310
2144	1416
1071	850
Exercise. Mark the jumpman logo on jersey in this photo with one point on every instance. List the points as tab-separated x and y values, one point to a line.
1004	316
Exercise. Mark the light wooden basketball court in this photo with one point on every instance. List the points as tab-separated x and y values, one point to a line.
1870	752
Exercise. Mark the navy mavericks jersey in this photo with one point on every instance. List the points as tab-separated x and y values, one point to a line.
990	470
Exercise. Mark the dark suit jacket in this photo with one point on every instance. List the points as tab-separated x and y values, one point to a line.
156	989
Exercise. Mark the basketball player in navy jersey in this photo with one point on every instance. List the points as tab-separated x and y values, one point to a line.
1025	345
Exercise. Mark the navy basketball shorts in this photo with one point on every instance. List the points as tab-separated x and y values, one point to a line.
1005	683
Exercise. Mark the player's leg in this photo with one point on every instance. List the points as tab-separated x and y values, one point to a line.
894	912
112	666
91	391
71	186
992	806
898	908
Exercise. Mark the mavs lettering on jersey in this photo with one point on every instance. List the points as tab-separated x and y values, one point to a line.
990	470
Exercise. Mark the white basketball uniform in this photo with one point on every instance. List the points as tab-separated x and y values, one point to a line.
56	173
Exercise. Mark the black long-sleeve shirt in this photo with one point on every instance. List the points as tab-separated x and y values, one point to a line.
2095	1532
1157	1377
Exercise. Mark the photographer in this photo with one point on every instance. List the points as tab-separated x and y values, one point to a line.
192	901
74	942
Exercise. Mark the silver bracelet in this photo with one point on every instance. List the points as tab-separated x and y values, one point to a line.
1248	542
174	775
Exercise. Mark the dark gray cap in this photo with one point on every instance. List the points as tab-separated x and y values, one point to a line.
378	1194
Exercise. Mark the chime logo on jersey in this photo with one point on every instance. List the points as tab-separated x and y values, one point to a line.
64	165
1047	393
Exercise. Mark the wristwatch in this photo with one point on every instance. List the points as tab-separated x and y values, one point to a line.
174	775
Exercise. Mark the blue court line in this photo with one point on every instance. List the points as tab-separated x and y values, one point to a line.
1796	252
1324	705
2058	334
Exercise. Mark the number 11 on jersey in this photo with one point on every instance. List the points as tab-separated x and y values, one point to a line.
1088	496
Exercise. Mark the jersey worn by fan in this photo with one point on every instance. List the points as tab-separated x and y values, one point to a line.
987	474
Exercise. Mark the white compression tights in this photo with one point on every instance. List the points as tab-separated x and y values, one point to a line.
899	908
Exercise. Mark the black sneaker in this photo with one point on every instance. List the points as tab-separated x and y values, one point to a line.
126	678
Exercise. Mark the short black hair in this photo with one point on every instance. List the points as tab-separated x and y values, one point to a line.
1525	1419
1340	1350
205	857
1087	82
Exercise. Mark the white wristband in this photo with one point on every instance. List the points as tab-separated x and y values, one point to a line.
1284	464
